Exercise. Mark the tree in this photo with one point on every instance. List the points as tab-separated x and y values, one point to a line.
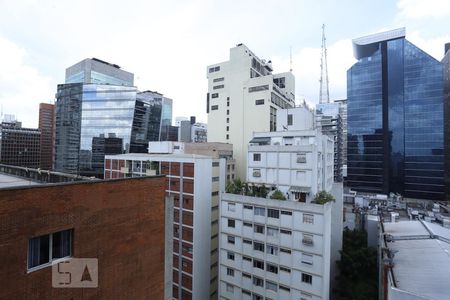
323	197
277	195
235	187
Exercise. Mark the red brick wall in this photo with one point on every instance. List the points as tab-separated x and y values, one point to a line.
120	222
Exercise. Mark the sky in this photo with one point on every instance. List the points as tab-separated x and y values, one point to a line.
168	44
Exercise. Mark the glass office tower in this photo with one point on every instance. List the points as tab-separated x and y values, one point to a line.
94	120
395	118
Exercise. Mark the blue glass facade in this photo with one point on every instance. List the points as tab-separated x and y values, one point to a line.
395	122
96	120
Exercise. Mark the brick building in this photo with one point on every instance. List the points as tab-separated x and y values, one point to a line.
47	128
119	222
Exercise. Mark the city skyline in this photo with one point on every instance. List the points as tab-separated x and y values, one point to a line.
172	59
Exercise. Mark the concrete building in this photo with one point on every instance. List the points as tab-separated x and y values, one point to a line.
243	97
47	128
191	131
329	120
94	70
414	260
272	249
343	114
19	146
46	224
298	161
194	181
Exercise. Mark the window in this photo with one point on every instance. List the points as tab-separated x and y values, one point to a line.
273	250
258	281
216	87
257	297
214	107
246	275
247	258
308	218
245	241
260	211
228	111
231	223
228	120
271	286
215	194
231	239
259	102
289	119
256	156
301	158
230	272
228	137
218	79
284	231
308	239
215	95
306	278
258	264
245	291
272	268
231	207
248	207
228	128
258	88
214	69
284	269
273	213
287	213
215	164
272	231
285	250
258	246
230	255
44	249
214	179
258	228
230	288
285	288
307	259
247	224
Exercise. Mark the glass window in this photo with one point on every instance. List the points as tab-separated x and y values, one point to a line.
273	213
271	286
259	211
259	102
247	258
258	264
306	278
218	79
230	288
214	107
284	231
284	269
287	213
231	239
272	231
231	223
40	252
273	250
248	207
258	281
256	156
289	119
308	218
215	95
246	241
247	224
258	228
258	88
230	255
230	272
216	87
271	268
258	246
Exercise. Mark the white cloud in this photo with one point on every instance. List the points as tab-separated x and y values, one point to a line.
420	9
306	68
433	46
22	87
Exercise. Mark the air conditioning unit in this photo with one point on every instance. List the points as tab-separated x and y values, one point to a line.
308	242
256	173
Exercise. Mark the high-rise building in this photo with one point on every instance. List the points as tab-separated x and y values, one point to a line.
89	115
19	146
446	65
283	249
395	118
194	181
328	118
343	113
47	128
243	97
192	131
94	70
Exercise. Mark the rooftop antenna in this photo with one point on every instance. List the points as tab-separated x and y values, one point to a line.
324	96
290	55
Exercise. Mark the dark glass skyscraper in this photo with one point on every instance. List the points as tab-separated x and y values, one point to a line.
446	63
395	118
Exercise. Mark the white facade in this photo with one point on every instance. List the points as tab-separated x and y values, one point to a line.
243	97
272	249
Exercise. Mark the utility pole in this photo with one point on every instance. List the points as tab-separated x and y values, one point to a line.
324	96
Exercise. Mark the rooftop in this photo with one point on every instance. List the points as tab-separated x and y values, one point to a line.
7	181
422	258
367	45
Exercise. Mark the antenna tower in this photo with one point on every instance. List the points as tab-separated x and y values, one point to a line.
290	59
324	91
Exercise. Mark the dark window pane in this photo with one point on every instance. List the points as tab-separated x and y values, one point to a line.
62	244
38	251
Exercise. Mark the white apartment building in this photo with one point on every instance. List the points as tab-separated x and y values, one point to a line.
297	162
274	249
244	97
195	182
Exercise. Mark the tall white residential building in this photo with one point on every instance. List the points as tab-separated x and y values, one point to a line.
283	249
244	97
194	181
298	161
